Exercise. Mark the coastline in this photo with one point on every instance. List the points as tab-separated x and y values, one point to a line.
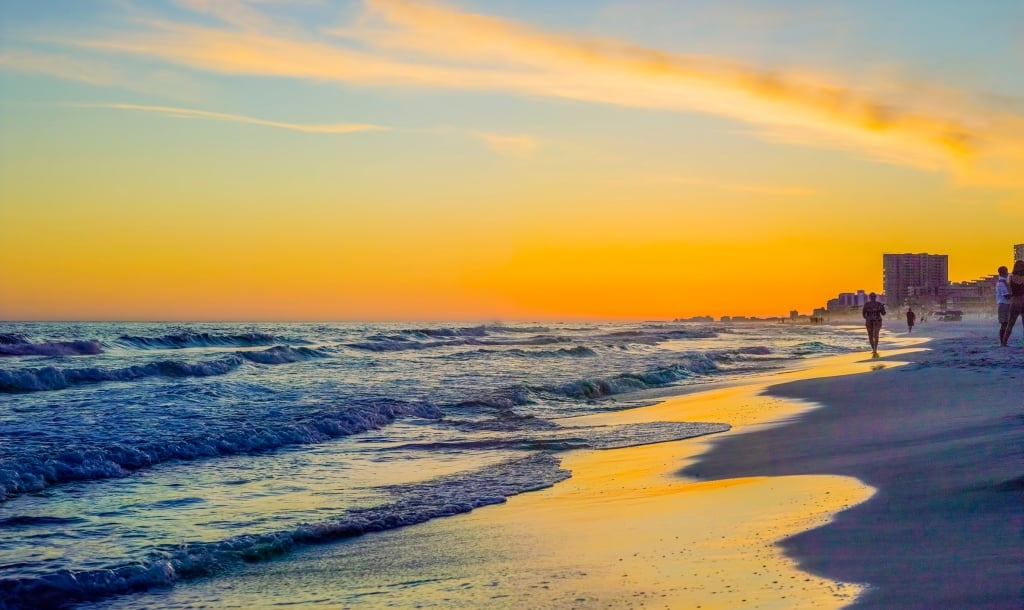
625	531
941	441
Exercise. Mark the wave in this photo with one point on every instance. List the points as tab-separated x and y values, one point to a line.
471	331
657	334
809	348
395	343
705	363
194	339
742	353
517	329
696	364
27	474
620	384
557	438
12	338
502	399
283	354
413	504
49	348
52	378
701	364
398	344
580	351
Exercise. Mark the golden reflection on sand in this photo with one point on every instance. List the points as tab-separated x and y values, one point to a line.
626	530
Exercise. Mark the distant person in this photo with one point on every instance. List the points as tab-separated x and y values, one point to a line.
873	312
911	316
1016	284
1003	303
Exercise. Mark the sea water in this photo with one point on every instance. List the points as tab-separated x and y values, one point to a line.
146	455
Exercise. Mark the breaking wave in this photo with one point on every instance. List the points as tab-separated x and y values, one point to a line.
580	351
11	347
410	504
53	378
809	348
415	503
657	334
693	365
283	354
472	331
26	474
395	343
194	339
631	382
517	329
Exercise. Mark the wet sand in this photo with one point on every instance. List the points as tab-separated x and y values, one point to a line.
626	531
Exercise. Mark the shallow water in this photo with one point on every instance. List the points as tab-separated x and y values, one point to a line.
141	455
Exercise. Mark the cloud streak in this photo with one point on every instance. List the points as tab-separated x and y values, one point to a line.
399	43
60	66
190	113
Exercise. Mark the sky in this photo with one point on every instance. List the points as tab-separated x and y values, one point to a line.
498	160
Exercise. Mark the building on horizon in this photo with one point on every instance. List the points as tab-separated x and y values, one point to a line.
915	278
1018	253
973	296
845	305
852	299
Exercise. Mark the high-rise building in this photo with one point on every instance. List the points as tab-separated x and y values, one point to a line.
1018	252
910	278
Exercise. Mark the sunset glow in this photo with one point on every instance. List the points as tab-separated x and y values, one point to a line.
484	160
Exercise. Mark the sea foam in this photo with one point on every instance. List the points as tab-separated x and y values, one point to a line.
33	473
53	378
415	503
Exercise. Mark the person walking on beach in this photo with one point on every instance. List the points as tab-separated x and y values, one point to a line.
873	312
1016	284
1003	302
911	316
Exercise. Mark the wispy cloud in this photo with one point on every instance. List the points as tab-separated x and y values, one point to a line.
166	83
61	66
411	44
190	113
513	145
234	12
942	134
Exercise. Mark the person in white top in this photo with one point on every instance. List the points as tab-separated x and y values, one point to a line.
1015	282
1003	303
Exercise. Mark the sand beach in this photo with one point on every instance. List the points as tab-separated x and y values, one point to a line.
941	440
881	483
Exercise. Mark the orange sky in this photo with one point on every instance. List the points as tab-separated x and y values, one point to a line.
394	160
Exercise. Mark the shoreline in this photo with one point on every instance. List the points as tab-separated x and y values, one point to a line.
940	440
625	531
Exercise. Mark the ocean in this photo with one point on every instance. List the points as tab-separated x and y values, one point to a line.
135	456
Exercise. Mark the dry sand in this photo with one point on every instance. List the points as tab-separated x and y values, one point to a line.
855	481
